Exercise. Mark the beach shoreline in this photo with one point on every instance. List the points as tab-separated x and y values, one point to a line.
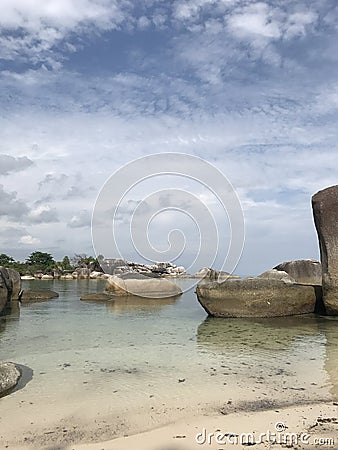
314	425
302	427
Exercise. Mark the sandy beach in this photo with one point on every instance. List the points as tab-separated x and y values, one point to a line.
301	427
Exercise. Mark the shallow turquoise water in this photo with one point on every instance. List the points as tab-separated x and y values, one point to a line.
149	357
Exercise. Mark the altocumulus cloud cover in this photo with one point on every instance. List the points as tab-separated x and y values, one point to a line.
88	85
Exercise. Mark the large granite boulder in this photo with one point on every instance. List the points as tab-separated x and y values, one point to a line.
304	271
67	276
10	286
142	286
95	274
256	297
9	377
325	212
47	276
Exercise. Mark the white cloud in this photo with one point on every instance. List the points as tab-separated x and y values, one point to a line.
29	240
46	23
10	164
11	206
43	214
255	20
51	16
297	23
143	22
80	220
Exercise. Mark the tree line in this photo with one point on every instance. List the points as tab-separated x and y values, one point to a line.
45	263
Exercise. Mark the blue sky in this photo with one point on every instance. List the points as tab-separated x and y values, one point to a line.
88	85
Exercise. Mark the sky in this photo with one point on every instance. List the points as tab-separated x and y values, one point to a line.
86	86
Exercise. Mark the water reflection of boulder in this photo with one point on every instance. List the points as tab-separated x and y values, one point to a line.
132	304
329	326
2	324
12	314
217	334
9	319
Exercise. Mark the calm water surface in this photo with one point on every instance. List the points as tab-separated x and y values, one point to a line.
147	355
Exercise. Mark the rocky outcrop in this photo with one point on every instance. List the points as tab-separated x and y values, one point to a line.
274	274
256	297
82	273
9	377
94	275
10	286
120	266
304	271
47	277
213	275
325	212
142	286
112	267
29	296
67	276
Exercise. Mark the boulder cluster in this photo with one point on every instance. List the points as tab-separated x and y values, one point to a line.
274	293
290	288
113	267
120	266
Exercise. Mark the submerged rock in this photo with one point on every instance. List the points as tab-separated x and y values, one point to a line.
140	285
9	377
97	297
304	271
38	296
325	212
256	297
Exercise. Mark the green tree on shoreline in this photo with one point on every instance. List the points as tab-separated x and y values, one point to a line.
40	261
6	260
66	265
45	263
